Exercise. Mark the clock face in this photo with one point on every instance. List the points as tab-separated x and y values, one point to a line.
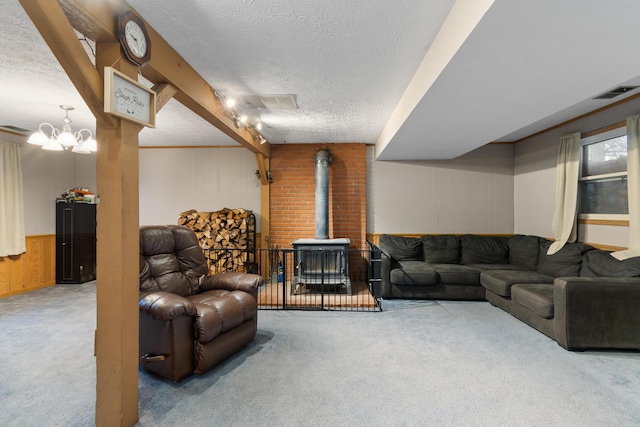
135	39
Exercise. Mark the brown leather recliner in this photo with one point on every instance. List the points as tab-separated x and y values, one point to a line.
190	320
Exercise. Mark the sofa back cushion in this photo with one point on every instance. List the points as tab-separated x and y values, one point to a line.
599	263
171	260
523	251
567	262
443	249
401	248
484	249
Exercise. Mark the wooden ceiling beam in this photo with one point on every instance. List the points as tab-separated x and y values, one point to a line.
58	33
164	93
166	65
98	20
263	168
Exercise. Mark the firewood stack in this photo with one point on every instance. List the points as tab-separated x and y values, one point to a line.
227	238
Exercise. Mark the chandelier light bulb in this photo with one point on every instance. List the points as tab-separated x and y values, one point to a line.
38	138
90	144
52	145
66	139
80	149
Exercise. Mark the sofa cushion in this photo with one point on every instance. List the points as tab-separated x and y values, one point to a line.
523	250
484	249
487	267
564	263
413	273
601	264
443	249
401	248
456	274
501	281
536	297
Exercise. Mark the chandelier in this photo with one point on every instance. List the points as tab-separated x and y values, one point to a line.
81	142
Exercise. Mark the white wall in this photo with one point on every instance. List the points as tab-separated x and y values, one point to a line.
470	194
46	175
171	181
534	183
495	189
174	180
535	175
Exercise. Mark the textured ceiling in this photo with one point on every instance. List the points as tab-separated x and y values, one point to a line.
427	79
347	62
33	83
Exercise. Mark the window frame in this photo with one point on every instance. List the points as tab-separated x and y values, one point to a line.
594	139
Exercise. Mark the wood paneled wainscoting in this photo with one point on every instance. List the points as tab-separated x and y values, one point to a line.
34	269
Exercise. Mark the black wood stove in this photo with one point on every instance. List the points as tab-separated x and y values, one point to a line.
322	264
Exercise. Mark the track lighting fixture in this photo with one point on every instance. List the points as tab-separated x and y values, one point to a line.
241	120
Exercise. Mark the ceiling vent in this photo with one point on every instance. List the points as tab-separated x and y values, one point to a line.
15	129
616	92
271	102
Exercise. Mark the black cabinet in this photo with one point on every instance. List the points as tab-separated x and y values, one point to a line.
75	242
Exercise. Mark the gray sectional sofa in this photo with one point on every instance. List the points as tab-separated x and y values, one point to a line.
581	297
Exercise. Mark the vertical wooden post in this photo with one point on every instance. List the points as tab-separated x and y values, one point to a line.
117	263
265	224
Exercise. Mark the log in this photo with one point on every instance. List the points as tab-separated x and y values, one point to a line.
224	236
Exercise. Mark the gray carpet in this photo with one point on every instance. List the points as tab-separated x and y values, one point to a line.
418	363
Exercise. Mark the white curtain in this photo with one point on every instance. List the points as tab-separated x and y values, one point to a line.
12	238
633	188
564	223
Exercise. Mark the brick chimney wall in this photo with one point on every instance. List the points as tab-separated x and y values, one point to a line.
293	206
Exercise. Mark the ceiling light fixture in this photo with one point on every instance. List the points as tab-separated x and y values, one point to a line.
81	142
241	120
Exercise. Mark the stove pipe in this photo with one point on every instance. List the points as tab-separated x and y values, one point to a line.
323	158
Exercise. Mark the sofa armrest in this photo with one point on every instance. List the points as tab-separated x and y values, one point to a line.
165	305
597	312
231	281
385	274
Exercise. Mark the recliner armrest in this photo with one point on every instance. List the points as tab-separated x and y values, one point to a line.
165	305
231	281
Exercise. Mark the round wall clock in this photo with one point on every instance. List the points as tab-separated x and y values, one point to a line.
134	38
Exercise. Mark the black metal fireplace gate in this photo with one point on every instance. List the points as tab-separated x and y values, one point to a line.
322	279
318	278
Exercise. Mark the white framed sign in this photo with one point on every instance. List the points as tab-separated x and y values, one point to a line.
128	99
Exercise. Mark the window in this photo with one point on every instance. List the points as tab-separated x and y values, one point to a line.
603	175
